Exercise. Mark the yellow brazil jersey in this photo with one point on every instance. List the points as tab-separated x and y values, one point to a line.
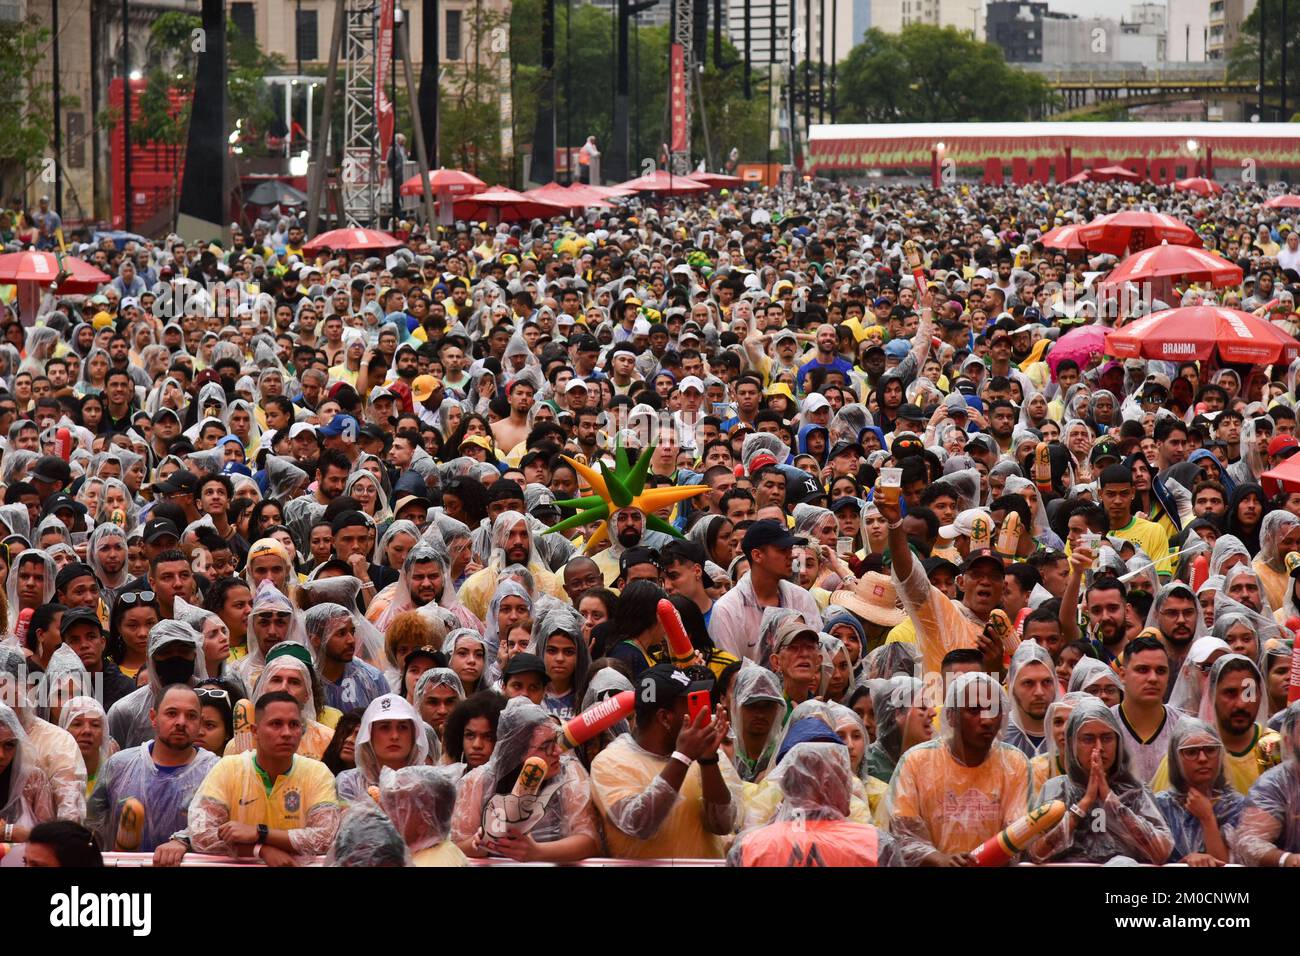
1152	539
1241	769
250	796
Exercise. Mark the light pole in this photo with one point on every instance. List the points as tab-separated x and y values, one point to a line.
935	153
126	116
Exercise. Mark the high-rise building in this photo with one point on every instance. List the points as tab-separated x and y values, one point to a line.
836	36
1188	26
892	15
1016	27
1225	20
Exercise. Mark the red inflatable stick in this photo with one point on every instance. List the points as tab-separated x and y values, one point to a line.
1293	692
63	449
578	730
24	622
680	647
999	849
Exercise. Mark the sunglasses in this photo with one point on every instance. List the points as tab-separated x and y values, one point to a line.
215	693
131	597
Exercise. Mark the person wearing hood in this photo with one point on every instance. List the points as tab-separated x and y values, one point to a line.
512	542
558	642
1279	537
420	801
272	620
1231	703
566	828
391	736
25	792
288	669
968	766
812	826
175	656
1199	807
163	773
85	720
30	584
1246	508
903	720
757	719
349	682
1111	813
54	750
1031	686
1268	833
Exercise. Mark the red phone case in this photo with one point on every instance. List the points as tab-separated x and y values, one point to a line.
696	701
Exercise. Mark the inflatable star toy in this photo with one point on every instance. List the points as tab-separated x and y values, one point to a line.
623	486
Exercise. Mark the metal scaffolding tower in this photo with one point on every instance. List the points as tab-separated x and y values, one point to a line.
683	35
361	172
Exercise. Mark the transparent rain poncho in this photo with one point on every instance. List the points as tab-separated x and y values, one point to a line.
491	636
53	750
1270	820
88	707
117	505
16	518
266	600
394	529
1052	758
16	462
810	519
565	796
29	556
284	479
832	647
128	719
556	619
367	838
891	660
1187	831
841	718
490	666
934	777
309	706
1274	527
773	618
763	443
65	677
750	683
165	793
1253	462
965	484
420	801
381	497
27	801
1089	673
101	534
352	783
890	703
1018	734
340	594
1126	823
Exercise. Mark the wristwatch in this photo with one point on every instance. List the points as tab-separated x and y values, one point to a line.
263	831
1077	812
707	761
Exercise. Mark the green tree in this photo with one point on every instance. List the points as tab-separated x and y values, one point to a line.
26	108
929	74
1243	58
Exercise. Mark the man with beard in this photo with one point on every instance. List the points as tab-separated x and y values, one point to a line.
407	363
1031	681
1148	723
163	774
1241	583
1107	612
512	543
1175	615
1233	691
627	526
349	683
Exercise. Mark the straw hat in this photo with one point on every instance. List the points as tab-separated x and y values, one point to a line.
873	599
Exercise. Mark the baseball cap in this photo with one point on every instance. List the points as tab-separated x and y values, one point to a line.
692	381
768	532
983	441
982	555
659	686
63	502
637	555
842	446
290	649
574	383
897	348
910	412
1281	442
180	482
51	469
790	630
423	387
429	653
340	424
1102	449
524	664
80	615
301	428
964	524
159	527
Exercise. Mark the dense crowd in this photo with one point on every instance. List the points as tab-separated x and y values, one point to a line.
324	554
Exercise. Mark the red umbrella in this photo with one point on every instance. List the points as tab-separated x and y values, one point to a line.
1065	238
1199	332
43	268
588	197
612	192
455	182
1285	477
1107	173
1133	229
1198	184
567	197
1289	201
1175	262
352	240
717	180
661	182
1079	344
506	205
1077	178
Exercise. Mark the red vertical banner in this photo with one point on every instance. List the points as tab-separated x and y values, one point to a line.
677	87
383	63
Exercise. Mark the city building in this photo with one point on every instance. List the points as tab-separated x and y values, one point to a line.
1225	20
1188	28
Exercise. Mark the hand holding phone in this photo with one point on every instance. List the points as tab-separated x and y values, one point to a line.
699	702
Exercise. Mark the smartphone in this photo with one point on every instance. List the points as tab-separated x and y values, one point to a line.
698	701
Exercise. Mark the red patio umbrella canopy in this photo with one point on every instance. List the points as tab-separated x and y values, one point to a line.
1288	201
1065	238
1175	262
1197	332
1105	173
1198	184
457	182
1285	477
43	268
717	180
506	204
567	197
352	240
1134	230
660	181
1077	178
